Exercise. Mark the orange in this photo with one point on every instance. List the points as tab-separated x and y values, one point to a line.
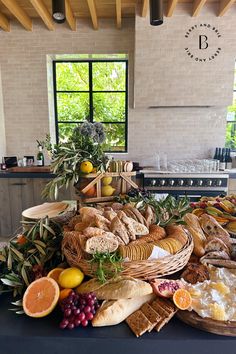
182	299
91	192
21	239
86	167
41	297
54	273
64	293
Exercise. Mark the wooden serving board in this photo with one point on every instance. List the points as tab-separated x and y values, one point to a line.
221	328
31	169
47	209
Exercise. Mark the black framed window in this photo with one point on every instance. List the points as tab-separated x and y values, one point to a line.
96	90
231	120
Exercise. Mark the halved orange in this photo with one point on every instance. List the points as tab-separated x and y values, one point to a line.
41	297
182	299
64	293
54	273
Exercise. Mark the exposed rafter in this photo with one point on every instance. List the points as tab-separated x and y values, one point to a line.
197	6
224	6
144	8
4	23
70	17
118	13
93	13
19	13
171	5
43	12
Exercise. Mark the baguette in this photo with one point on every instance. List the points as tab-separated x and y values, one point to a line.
117	288
199	239
116	311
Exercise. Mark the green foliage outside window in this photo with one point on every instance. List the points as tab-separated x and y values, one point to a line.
231	121
106	93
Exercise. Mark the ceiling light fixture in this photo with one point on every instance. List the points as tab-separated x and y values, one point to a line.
156	12
58	11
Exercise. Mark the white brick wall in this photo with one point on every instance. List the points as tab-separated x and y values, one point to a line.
2	124
181	132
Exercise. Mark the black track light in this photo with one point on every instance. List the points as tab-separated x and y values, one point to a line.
58	11
156	12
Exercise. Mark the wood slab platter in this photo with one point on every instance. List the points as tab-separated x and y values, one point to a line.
222	328
31	169
47	209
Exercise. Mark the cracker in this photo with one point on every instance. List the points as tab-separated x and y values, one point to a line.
166	304
164	321
151	315
138	323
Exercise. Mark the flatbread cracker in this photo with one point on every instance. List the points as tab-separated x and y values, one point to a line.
138	323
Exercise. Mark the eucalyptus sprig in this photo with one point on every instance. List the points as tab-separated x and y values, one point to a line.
107	264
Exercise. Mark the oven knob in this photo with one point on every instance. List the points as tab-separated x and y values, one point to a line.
219	182
190	182
180	182
200	182
209	182
153	182
172	182
162	182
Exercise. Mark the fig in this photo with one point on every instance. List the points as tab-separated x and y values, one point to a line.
166	287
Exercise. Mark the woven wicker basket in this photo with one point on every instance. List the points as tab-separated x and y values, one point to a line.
137	269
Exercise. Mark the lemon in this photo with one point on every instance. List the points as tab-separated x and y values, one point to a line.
106	181
107	191
70	278
86	167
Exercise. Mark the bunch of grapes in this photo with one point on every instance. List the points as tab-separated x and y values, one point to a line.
141	192
78	309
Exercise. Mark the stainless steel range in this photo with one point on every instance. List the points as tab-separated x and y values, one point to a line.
194	185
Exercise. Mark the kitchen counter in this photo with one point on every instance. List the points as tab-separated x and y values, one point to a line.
23	335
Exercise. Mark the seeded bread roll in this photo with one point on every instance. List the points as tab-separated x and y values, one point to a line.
215	244
213	228
101	244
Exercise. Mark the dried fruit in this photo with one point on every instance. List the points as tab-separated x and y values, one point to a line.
166	287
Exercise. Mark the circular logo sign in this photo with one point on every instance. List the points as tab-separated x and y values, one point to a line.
203	42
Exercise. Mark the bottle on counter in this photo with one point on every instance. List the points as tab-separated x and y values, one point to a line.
216	156
40	156
223	160
228	159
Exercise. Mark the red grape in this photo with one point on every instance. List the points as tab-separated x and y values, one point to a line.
87	309
81	316
89	316
67	312
64	323
84	323
71	325
76	311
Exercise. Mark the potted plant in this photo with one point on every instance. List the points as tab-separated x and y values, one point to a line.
82	153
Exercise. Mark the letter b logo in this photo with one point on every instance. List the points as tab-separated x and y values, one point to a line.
203	42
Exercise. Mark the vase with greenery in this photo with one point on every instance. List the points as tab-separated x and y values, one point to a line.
85	144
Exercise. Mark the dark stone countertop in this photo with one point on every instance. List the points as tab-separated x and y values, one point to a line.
20	334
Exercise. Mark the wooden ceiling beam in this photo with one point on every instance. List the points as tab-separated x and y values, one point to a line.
144	8
70	17
197	6
43	12
19	13
171	5
118	13
93	13
224	6
4	23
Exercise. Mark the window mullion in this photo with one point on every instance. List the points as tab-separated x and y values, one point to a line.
90	92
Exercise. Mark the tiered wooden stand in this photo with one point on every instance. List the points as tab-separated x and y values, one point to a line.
122	184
